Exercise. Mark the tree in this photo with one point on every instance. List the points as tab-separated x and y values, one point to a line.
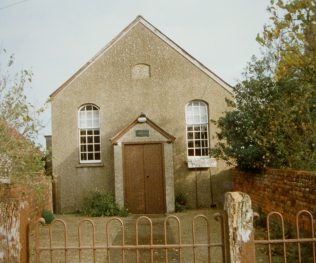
273	122
290	39
19	124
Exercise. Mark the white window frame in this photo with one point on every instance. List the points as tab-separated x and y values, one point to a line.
197	130
89	136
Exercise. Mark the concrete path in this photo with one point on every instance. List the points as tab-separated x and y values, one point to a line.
158	233
115	237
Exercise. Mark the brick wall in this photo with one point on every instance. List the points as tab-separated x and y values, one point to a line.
34	199
285	191
29	203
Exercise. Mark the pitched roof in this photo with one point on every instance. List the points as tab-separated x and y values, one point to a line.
121	133
181	51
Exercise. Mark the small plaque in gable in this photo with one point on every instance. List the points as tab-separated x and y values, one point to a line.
142	133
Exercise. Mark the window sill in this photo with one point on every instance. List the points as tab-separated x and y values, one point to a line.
201	162
85	165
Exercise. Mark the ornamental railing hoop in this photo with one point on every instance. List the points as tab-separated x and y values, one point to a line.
179	246
91	223
138	220
121	223
83	238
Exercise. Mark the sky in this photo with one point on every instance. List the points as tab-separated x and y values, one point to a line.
54	38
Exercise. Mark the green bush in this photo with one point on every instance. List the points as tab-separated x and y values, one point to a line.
101	203
48	216
180	203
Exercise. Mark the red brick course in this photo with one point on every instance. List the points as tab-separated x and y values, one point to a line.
286	191
33	198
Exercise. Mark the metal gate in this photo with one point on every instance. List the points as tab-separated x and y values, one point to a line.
177	239
136	240
292	245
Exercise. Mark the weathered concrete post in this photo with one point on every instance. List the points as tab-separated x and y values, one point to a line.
240	227
10	247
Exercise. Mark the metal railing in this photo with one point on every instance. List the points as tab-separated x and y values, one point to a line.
279	245
151	245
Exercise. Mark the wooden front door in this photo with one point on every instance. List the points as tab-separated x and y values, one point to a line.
144	178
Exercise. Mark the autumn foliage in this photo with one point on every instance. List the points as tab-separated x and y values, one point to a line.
273	118
20	159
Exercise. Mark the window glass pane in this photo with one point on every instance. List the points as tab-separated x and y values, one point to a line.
204	135
82	124
203	110
88	107
83	148
189	110
90	132
97	147
190	119
196	111
97	139
83	156
204	152
82	119
82	139
82	132
97	156
96	115
197	152
95	123
197	135
196	119
204	119
190	135
191	152
90	139
90	156
89	115
204	143
190	144
90	148
89	124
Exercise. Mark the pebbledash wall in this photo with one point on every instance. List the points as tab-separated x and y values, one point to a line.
283	190
109	83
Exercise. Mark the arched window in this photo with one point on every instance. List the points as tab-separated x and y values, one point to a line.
196	114
89	134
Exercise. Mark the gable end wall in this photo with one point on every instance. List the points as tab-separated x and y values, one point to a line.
108	83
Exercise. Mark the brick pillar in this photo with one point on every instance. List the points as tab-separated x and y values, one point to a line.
240	227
